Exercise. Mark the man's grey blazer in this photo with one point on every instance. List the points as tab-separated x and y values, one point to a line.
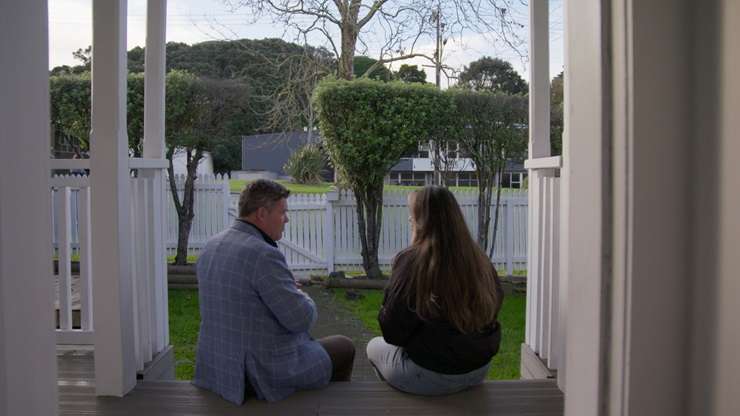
254	321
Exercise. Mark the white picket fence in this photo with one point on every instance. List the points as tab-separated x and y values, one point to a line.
212	203
322	231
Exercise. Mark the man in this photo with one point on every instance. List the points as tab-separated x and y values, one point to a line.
254	318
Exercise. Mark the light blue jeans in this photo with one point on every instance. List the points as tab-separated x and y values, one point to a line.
392	364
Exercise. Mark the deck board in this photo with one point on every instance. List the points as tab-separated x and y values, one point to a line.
359	398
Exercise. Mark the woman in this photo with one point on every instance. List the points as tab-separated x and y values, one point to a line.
439	312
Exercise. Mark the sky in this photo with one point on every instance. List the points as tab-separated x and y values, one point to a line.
193	21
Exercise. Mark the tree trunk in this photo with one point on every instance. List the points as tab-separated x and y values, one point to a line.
346	68
183	234
499	175
185	211
485	189
350	31
369	218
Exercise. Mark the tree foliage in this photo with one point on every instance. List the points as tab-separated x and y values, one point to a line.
492	75
71	110
367	125
307	164
201	115
556	115
492	131
362	67
280	77
411	73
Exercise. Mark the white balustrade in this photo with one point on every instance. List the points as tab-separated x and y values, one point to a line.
71	221
71	205
543	332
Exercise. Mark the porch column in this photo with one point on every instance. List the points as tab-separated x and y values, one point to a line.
539	79
154	148
28	373
585	200
539	143
115	365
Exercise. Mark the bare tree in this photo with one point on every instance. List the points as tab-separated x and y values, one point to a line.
395	26
291	107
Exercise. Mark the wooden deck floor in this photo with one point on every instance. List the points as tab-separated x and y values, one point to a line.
77	397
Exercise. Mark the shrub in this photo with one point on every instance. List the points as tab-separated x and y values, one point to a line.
307	164
366	126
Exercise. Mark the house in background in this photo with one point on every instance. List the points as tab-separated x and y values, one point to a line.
264	155
416	168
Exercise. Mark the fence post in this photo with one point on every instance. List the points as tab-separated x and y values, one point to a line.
331	197
509	235
226	192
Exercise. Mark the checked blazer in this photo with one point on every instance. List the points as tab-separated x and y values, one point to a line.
254	321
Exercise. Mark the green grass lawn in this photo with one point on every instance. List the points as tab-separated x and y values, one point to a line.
237	185
184	324
192	258
185	321
505	365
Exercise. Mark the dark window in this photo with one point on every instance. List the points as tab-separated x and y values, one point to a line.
467	179
506	180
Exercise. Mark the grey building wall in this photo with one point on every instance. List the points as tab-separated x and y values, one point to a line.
269	152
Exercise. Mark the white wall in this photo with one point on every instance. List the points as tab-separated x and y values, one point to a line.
27	342
715	339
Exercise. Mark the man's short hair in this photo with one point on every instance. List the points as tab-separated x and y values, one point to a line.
260	193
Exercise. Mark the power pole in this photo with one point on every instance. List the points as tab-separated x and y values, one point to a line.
435	149
438	50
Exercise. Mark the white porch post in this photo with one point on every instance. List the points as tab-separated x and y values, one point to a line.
115	365
539	82
154	79
585	198
28	373
154	148
539	144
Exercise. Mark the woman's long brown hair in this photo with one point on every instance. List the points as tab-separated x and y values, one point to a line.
444	273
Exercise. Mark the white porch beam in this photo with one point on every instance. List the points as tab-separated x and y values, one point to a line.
154	78
154	150
28	371
539	83
115	365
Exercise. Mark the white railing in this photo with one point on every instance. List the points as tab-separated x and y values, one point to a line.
148	265
544	332
71	222
71	238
